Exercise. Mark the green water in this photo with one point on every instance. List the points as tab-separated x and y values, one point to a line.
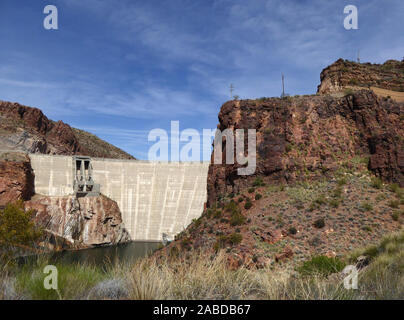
124	253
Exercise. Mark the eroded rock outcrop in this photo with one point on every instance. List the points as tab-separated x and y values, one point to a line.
344	73
27	129
16	178
309	136
78	223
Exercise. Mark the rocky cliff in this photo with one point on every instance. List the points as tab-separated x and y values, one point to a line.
328	175
312	136
78	223
27	129
16	178
344	73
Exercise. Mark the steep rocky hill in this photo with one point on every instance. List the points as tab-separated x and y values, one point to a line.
328	176
344	73
27	129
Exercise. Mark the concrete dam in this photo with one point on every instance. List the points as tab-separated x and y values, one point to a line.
154	197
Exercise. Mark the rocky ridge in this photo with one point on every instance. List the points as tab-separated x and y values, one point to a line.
328	175
28	130
16	178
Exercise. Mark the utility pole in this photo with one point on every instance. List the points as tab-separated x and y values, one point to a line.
283	86
231	90
359	59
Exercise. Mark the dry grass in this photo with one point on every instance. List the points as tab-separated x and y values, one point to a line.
204	276
395	95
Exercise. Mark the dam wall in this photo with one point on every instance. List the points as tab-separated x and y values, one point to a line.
154	197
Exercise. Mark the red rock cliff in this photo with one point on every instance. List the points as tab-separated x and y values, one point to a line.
312	136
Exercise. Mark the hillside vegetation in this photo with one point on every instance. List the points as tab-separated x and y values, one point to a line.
208	277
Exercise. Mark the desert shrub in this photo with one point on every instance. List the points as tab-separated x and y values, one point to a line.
251	190
396	189
320	200
258	196
380	197
235	238
247	205
337	193
321	265
341	181
366	206
196	222
395	215
317	203
241	199
258	182
237	219
17	228
319	223
292	230
367	228
394	204
231	207
376	183
217	214
186	243
334	203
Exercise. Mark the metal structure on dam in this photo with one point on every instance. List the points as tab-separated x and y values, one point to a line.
154	197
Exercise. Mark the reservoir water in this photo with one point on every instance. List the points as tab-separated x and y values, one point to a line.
123	253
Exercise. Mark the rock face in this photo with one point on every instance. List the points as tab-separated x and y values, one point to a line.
343	73
29	130
311	136
79	223
312	191
16	178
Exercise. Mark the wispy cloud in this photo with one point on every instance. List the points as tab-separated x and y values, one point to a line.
152	61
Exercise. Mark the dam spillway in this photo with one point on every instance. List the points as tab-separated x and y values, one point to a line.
154	197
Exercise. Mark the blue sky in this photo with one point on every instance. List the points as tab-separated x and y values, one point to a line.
122	68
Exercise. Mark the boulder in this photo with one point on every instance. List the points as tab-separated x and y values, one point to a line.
80	222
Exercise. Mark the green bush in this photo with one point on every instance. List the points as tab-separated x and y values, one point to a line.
248	205
258	182
321	265
367	228
237	219
251	190
319	223
217	214
292	230
376	183
396	189
17	228
394	204
235	238
231	207
258	196
366	206
395	215
334	203
341	181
